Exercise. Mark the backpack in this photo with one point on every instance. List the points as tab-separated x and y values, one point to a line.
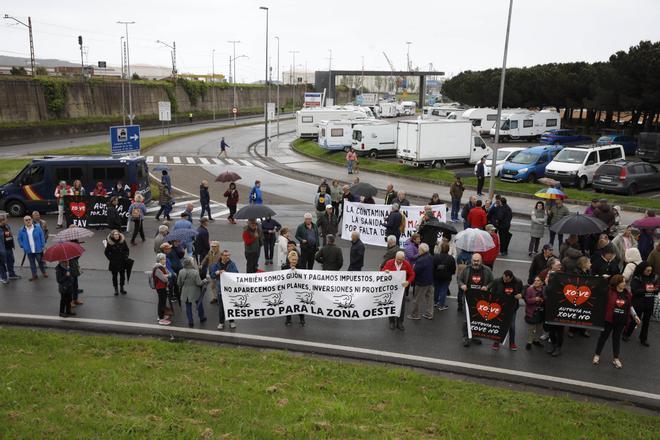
136	212
402	225
152	278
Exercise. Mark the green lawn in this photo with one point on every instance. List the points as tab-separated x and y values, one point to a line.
311	148
10	167
57	385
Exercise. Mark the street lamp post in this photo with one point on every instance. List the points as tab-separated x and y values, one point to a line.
233	75
329	74
408	54
294	80
213	79
267	89
123	73
493	164
277	99
128	73
29	26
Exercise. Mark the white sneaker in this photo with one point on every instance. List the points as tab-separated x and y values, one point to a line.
221	327
232	324
164	322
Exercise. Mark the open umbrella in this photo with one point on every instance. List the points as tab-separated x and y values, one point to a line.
182	235
550	193
160	168
254	211
647	223
364	189
74	233
474	240
227	176
440	226
63	251
578	224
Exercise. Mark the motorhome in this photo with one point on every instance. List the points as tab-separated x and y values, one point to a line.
337	135
437	142
308	119
388	109
527	125
407	108
374	139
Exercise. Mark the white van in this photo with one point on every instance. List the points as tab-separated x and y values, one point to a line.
407	108
337	135
388	110
576	165
374	139
503	154
527	125
308	119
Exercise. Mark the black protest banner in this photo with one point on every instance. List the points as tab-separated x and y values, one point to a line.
92	211
576	301
489	315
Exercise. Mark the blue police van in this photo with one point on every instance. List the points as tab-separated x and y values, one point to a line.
33	189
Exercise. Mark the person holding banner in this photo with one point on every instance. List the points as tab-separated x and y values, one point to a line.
535	312
270	228
423	284
224	264
508	285
330	256
393	222
253	239
644	287
475	276
307	235
392	249
399	263
114	217
292	263
617	315
282	246
62	190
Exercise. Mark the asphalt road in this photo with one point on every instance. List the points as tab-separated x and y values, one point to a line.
291	196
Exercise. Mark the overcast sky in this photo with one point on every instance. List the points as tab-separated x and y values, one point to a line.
452	35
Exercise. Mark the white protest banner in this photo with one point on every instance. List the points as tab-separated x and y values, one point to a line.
369	221
326	294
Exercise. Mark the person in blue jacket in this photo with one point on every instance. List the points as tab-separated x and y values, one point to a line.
31	239
224	264
255	194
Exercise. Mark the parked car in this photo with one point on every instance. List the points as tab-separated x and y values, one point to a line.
576	165
626	177
529	165
503	154
628	142
649	147
564	137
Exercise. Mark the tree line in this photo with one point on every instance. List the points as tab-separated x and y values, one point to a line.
624	91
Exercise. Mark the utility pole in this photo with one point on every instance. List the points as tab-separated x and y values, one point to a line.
498	122
408	55
82	61
123	98
277	99
213	79
29	26
128	72
330	75
267	88
294	82
233	76
362	77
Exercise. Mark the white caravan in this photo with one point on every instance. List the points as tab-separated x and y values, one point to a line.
527	125
388	110
374	139
337	135
308	119
407	108
436	142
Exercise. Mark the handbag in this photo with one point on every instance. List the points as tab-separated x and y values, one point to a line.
537	317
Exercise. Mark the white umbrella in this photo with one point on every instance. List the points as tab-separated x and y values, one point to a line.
474	240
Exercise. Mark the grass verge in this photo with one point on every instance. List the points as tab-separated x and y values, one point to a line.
446	177
10	167
59	385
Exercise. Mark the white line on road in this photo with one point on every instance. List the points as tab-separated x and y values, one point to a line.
176	159
514	261
247	163
204	160
217	161
259	164
150	159
351	351
163	159
231	162
190	160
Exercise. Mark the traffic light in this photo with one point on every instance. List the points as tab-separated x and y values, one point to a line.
80	40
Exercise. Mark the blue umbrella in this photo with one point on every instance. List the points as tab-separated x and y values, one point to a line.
182	235
161	168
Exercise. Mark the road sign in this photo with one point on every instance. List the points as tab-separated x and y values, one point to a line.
234	110
125	139
313	99
164	111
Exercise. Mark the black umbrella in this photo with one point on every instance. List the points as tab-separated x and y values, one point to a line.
363	189
578	224
254	211
441	226
128	266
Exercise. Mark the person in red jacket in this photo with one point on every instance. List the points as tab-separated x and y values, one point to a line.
477	216
399	263
618	312
490	256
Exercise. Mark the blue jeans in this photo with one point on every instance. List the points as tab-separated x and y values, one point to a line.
34	259
7	264
455	208
441	289
199	304
349	165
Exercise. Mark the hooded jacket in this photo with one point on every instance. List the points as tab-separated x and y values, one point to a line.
117	253
633	258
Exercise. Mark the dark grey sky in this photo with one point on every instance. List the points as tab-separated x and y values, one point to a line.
452	35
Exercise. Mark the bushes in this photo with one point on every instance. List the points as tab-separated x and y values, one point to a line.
55	94
194	89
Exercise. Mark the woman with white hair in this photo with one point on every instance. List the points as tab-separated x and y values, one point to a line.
161	278
292	264
163	230
137	211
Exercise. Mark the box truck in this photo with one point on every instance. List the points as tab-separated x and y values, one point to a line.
438	142
374	139
527	125
308	119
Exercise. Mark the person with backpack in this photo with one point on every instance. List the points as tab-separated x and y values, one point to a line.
232	201
444	268
116	251
137	211
256	197
159	281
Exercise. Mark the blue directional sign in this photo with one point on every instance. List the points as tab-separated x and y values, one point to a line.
125	139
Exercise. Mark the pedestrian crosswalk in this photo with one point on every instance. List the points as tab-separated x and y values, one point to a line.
197	161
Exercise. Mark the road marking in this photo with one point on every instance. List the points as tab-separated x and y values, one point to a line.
150	159
190	160
176	159
342	349
204	160
247	163
163	159
513	261
259	164
230	162
196	196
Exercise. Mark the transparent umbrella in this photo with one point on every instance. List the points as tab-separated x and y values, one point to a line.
474	240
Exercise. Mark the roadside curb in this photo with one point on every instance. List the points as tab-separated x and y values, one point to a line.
611	393
445	184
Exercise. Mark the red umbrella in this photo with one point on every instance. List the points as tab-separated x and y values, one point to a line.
228	176
647	223
63	251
